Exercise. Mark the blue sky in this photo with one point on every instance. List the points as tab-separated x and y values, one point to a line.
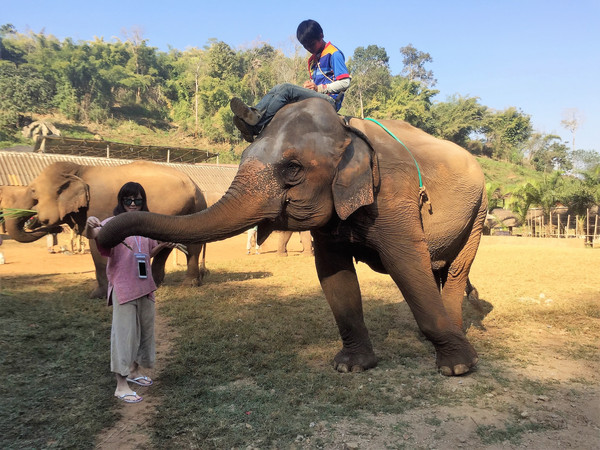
539	56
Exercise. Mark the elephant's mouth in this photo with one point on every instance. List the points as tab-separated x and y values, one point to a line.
34	226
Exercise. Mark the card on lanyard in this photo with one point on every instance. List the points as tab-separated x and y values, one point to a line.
140	259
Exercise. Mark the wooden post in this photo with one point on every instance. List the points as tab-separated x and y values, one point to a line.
543	228
568	223
550	225
587	228
558	225
595	228
108	151
168	155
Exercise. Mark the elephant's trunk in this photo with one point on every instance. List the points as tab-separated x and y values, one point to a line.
16	230
252	197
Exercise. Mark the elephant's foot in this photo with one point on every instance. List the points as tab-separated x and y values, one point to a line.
282	254
456	356
192	282
98	292
204	272
346	361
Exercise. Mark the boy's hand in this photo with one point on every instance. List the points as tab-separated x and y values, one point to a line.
310	85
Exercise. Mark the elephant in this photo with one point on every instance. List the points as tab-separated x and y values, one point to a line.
305	239
20	197
358	191
67	193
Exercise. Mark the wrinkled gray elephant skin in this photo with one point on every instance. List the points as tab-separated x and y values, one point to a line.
357	190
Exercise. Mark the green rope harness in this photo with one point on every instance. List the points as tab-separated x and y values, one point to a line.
411	155
422	192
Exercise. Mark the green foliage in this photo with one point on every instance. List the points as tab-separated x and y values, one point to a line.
506	133
585	161
545	152
24	91
222	61
409	101
579	195
99	81
495	195
371	79
414	65
458	118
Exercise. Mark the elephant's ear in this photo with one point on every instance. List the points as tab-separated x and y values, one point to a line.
357	173
73	194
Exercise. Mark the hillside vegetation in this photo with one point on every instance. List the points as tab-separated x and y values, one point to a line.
132	92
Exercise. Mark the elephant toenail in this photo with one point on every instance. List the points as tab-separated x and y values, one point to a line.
460	369
446	371
343	368
356	369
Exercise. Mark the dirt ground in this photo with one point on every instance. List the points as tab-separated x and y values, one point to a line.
35	257
578	428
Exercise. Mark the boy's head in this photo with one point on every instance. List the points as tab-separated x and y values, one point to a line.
310	35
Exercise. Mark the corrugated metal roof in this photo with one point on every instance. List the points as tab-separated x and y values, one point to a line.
20	169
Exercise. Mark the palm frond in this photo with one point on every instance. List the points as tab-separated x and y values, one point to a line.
15	213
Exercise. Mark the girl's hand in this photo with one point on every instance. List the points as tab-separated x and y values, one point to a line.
92	227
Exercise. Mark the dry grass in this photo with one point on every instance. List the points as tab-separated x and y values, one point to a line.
251	364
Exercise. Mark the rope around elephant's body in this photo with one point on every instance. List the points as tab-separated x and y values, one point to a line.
409	152
423	197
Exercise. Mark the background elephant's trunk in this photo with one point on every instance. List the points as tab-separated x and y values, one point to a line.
16	230
246	203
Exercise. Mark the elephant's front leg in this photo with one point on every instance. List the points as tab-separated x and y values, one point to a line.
339	282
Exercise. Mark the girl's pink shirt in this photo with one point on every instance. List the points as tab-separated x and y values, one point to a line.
122	269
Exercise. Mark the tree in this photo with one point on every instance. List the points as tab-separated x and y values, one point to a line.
506	133
579	195
370	76
222	61
572	121
585	160
545	194
414	65
24	91
409	101
457	118
496	196
547	153
259	71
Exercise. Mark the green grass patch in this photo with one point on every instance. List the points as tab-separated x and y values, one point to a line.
511	432
56	389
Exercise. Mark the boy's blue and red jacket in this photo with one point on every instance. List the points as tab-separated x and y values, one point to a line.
330	67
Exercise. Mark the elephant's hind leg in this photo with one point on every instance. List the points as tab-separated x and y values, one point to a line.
339	282
457	281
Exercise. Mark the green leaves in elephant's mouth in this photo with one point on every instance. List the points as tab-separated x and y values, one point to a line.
15	213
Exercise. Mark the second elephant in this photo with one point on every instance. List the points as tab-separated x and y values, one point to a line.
67	193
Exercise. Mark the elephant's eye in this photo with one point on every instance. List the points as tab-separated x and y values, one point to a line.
293	173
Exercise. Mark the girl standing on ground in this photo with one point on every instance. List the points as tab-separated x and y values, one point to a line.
131	293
